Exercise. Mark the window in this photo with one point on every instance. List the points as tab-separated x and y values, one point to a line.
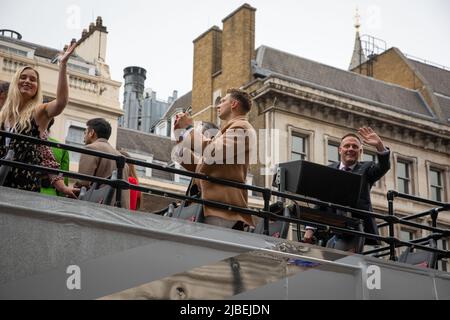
250	183
13	51
161	129
75	137
186	180
442	245
404	177
78	68
140	171
369	156
436	185
298	151
406	235
333	152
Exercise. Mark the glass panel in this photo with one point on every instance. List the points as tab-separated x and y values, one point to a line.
369	157
403	185
402	169
435	178
333	153
75	137
298	144
400	186
140	171
185	180
442	244
75	134
296	156
406	235
436	194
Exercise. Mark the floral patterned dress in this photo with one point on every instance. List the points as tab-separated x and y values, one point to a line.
25	152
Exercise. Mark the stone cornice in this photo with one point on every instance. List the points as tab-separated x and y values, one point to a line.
294	99
84	106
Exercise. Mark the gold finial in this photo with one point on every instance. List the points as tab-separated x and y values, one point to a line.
357	20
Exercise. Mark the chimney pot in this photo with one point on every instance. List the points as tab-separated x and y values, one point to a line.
99	22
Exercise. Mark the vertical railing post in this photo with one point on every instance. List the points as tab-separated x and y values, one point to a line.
434	216
266	197
120	162
390	197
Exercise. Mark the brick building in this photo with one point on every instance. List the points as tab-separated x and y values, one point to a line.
312	105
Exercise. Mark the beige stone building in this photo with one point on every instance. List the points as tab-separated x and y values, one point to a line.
307	104
92	92
312	105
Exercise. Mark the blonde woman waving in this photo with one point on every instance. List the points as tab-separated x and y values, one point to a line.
25	113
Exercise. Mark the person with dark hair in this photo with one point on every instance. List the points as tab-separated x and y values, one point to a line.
135	195
96	136
63	159
4	87
350	151
227	155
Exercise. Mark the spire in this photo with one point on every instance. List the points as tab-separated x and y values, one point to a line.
358	57
357	20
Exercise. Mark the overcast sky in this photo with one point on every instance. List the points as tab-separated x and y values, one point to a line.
157	35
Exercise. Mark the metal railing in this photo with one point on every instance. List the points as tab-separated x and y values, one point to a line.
433	213
119	185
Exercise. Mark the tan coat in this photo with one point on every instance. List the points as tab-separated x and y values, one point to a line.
229	169
101	167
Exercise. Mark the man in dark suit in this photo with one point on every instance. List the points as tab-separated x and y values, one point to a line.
350	151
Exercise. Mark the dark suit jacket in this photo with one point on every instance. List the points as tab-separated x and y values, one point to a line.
371	172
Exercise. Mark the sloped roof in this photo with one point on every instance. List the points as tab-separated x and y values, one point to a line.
138	141
438	78
40	51
444	102
272	61
182	102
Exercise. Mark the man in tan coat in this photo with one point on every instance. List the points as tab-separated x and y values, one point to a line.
226	156
96	138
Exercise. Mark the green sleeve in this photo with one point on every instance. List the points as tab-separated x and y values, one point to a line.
65	164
